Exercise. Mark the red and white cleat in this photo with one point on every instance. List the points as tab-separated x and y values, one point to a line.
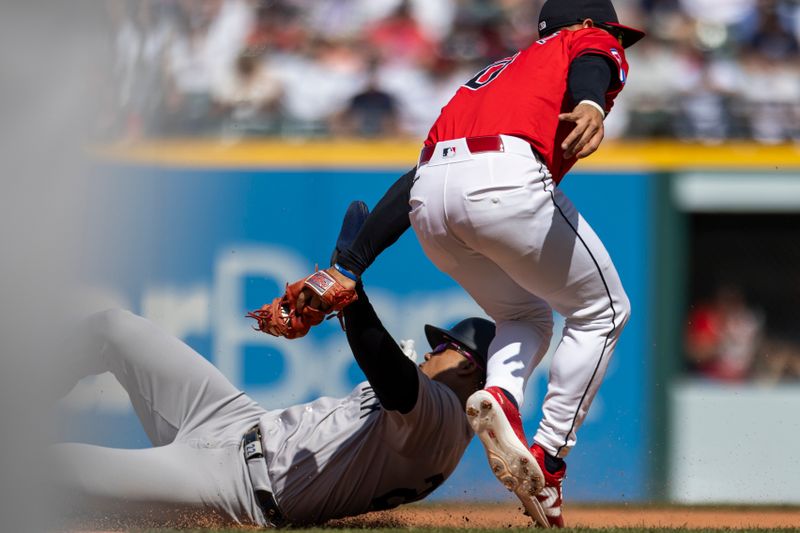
498	425
550	497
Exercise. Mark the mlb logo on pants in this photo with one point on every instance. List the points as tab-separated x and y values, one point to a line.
450	151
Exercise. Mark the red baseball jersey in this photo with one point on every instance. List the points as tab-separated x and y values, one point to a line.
522	95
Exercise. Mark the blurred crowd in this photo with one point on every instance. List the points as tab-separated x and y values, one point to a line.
727	340
710	70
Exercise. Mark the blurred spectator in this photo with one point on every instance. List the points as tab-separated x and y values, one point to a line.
710	70
188	103
209	37
484	33
249	97
770	90
773	37
723	337
338	19
661	72
779	361
278	27
656	6
318	82
435	17
399	38
705	90
421	93
723	12
370	113
142	35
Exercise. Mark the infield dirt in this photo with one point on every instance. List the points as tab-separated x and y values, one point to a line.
450	517
464	515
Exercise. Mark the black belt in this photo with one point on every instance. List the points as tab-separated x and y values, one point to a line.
252	448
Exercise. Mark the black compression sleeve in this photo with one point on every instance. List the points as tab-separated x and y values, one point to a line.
589	79
384	225
392	375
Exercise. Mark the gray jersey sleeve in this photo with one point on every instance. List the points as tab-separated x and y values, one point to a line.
340	457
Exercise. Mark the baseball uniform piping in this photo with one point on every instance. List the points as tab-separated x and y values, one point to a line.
613	317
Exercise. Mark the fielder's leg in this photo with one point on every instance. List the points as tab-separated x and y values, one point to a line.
596	309
575	275
505	208
439	202
524	327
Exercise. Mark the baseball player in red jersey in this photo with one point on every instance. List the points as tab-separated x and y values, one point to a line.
485	206
524	96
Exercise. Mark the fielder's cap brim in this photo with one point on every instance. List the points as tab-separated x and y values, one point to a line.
630	36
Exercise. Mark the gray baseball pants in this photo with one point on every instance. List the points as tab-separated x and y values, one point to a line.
192	414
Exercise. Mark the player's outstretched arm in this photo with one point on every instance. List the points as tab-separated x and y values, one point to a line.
319	295
384	225
392	375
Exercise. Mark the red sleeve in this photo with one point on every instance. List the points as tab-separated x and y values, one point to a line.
598	42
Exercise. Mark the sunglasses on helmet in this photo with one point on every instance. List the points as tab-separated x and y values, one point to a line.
458	348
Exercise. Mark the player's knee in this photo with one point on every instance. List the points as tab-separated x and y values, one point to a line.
112	325
538	317
607	314
544	325
537	327
622	310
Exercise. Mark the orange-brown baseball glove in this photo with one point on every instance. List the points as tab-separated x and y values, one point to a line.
291	316
281	318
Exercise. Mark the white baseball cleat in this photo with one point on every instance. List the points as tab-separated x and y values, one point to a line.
498	425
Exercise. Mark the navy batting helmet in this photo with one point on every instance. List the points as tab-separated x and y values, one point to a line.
475	334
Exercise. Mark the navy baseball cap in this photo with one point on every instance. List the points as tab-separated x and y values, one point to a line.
475	334
557	14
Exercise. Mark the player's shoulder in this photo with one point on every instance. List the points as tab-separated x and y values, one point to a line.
593	39
436	397
437	406
588	35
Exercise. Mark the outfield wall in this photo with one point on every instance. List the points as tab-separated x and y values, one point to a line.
196	234
733	442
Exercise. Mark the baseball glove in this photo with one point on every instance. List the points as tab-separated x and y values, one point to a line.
281	317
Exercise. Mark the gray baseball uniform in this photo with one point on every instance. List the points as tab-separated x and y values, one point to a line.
341	457
325	459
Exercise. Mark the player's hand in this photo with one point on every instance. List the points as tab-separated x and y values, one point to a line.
309	297
588	133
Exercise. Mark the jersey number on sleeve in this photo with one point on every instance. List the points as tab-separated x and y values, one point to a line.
488	74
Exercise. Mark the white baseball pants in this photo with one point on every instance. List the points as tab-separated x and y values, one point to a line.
192	414
498	225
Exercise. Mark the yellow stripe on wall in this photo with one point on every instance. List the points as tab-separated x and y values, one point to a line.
640	156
